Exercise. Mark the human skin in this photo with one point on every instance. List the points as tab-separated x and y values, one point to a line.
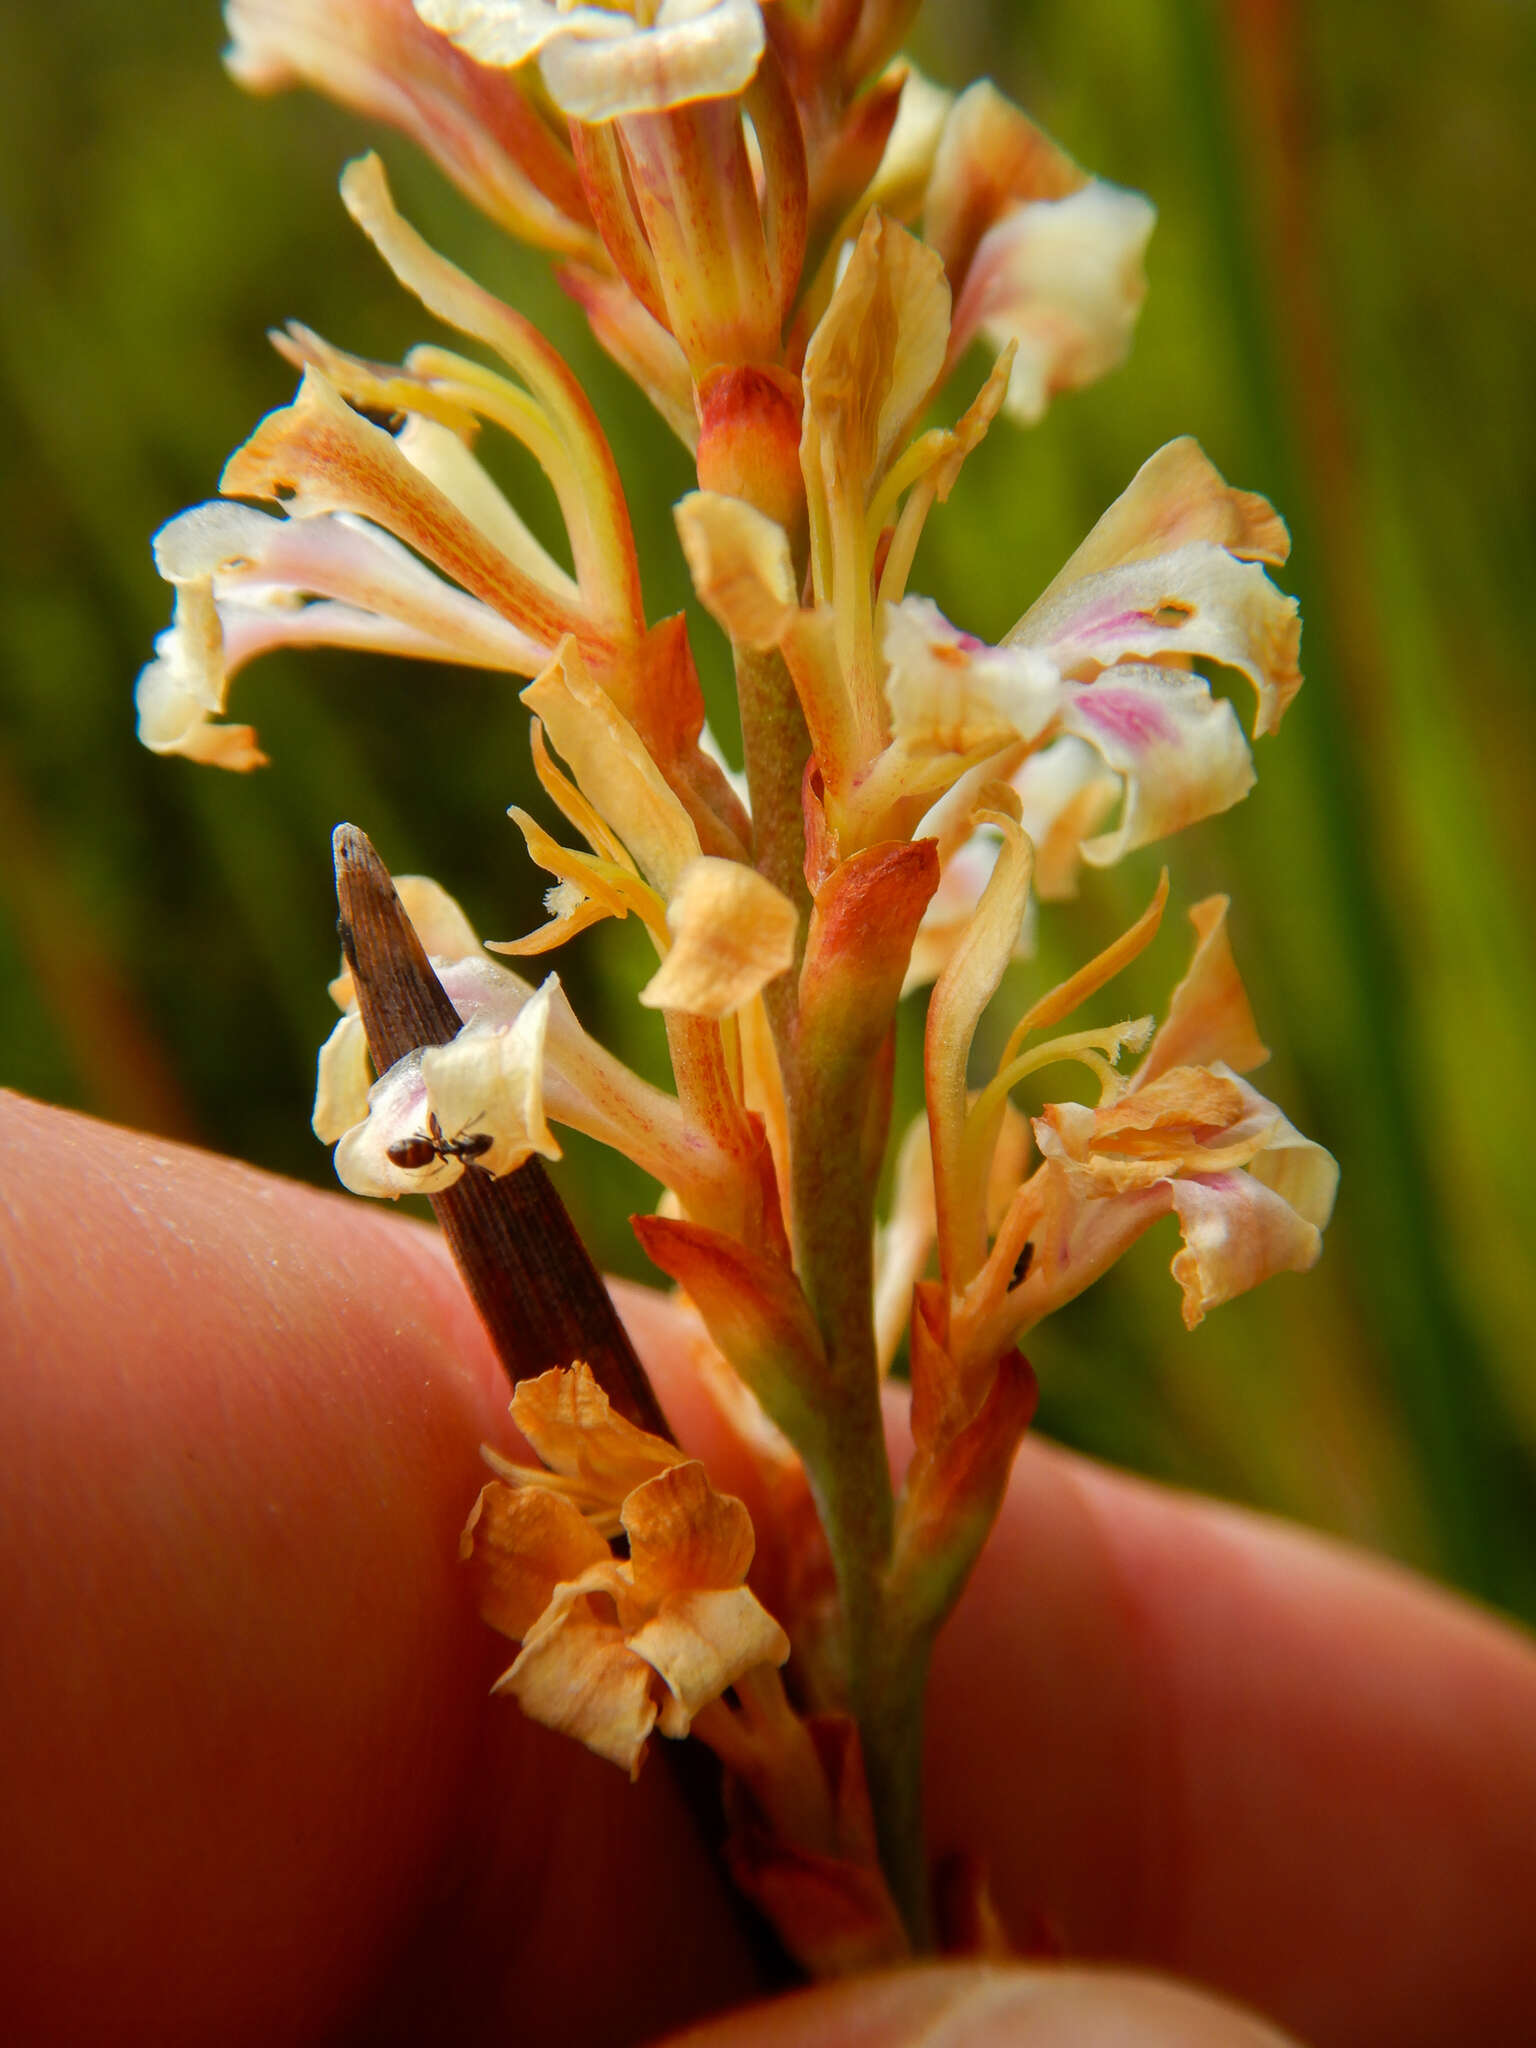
253	1788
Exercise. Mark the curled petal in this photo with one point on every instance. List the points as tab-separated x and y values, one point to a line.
1196	601
702	1643
697	50
324	457
594	1457
600	63
181	693
1180	752
733	932
1209	1017
1236	1233
740	564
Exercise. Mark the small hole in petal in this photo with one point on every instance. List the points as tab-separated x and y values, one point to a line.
1173	611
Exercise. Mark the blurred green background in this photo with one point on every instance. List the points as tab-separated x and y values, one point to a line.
1340	311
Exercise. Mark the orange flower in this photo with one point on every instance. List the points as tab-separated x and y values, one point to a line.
614	1648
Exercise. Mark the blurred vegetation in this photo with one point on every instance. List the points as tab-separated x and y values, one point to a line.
1338	311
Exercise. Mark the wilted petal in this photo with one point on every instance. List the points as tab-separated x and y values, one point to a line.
574	1428
525	1542
1209	1017
577	1675
683	1536
733	932
1180	752
1197	600
700	1644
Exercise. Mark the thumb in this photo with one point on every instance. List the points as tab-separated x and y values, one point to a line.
985	2005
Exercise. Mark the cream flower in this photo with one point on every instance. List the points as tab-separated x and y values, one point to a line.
399	542
505	1072
1091	697
603	62
1039	255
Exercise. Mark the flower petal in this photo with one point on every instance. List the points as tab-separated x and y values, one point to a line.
578	1676
397	1115
1197	600
342	1081
488	1083
949	694
701	1643
1179	751
1178	495
524	1543
570	1422
1236	1232
733	932
740	564
1063	280
684	1537
1209	1017
697	50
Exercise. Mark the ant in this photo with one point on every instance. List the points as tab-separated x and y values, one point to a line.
412	1154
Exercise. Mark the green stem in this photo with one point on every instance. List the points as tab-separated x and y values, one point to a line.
827	1094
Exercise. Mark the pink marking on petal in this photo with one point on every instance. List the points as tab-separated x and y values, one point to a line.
1125	715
